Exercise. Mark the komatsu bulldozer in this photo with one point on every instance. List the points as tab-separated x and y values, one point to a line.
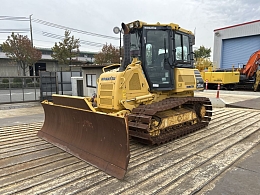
148	98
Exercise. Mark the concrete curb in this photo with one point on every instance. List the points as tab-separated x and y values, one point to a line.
18	105
217	102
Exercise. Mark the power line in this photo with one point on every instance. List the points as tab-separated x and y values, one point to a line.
18	29
55	26
14	32
51	41
50	35
14	18
42	41
55	36
72	29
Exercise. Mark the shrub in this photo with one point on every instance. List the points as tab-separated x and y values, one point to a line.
17	80
32	85
16	85
28	80
4	85
5	81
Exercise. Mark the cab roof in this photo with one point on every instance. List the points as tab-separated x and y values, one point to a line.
140	24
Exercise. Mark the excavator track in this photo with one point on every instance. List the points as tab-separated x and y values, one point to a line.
140	118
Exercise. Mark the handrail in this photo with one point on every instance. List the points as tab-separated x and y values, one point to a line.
103	69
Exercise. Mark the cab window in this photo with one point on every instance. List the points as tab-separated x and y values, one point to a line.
182	47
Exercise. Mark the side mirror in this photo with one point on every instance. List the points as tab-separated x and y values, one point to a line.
192	39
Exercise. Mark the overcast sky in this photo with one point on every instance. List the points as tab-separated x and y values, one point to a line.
100	16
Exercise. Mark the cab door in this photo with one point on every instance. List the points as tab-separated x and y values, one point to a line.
157	57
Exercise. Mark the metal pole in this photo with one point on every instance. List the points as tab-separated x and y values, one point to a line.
34	84
120	58
120	44
23	84
32	45
51	85
31	29
61	81
10	91
117	30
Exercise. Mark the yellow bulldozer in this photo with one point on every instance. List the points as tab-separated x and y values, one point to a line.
149	98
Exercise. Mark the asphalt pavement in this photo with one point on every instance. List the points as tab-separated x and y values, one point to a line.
21	113
242	178
28	112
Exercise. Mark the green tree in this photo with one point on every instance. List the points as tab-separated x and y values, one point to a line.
202	52
108	54
65	51
19	48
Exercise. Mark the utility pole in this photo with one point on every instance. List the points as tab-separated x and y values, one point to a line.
33	66
31	29
117	30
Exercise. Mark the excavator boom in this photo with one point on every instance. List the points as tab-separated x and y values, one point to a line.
252	64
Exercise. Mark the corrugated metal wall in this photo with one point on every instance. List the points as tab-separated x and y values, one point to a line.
239	31
237	51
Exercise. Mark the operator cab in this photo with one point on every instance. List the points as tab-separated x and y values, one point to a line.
160	48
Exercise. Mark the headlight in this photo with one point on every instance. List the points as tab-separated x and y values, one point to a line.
131	25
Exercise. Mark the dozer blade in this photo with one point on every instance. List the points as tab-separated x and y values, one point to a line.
99	139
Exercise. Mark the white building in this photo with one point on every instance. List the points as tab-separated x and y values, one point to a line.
233	45
11	68
90	75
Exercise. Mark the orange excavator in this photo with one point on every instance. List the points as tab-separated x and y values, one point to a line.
252	70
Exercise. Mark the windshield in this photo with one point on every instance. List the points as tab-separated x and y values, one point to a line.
156	57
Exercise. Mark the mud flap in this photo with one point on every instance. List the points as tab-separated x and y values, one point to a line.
99	139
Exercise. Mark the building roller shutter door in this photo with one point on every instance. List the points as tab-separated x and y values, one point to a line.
237	51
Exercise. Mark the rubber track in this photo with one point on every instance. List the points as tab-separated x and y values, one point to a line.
141	116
